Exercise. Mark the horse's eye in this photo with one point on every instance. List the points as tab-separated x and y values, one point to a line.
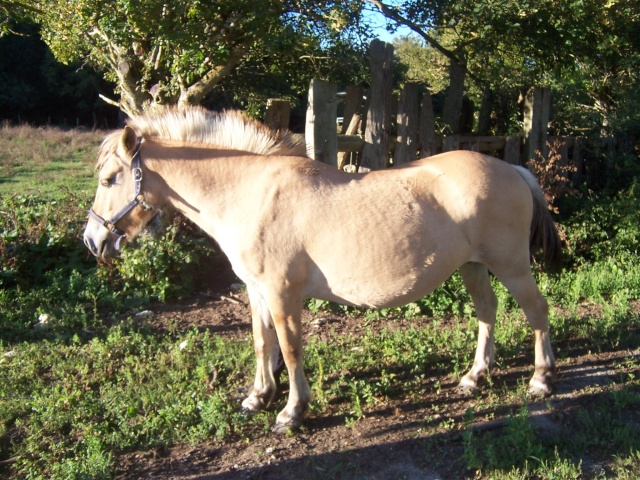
107	182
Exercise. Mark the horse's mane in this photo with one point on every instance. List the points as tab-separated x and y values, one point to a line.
229	129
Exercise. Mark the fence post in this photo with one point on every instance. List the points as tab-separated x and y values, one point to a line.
512	153
407	124
321	133
277	114
578	159
427	127
375	152
452	142
455	94
484	115
537	109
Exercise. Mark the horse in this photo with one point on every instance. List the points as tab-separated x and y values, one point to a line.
294	228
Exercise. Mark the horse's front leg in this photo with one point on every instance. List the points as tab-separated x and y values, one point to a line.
267	352
286	311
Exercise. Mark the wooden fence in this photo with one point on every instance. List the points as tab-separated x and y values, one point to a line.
365	137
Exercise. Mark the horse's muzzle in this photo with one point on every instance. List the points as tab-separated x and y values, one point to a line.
101	246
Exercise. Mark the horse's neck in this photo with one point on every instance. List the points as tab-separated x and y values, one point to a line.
206	189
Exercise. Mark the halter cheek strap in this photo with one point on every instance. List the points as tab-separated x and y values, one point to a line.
138	199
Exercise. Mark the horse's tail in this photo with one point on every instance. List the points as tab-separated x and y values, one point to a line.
544	234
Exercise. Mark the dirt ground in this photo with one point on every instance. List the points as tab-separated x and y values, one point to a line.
400	439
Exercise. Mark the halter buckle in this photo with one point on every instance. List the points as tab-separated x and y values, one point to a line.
136	174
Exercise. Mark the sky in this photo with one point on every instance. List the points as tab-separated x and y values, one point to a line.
378	23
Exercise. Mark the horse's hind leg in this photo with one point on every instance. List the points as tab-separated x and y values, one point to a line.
476	278
522	286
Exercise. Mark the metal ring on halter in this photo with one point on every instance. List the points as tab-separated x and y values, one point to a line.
138	199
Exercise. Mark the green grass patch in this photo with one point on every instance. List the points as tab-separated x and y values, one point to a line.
47	160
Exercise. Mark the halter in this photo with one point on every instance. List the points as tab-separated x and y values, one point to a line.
138	199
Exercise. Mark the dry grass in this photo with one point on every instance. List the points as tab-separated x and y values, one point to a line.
47	160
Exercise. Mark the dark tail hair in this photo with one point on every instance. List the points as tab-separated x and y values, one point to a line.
544	234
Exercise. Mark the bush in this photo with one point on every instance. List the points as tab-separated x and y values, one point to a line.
39	235
162	266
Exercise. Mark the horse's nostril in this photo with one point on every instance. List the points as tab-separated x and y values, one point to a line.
91	246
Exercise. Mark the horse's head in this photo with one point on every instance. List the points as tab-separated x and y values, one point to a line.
120	210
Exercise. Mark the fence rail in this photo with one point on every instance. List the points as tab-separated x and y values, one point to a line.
365	137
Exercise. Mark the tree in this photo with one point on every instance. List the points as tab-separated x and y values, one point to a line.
514	44
14	11
159	52
38	89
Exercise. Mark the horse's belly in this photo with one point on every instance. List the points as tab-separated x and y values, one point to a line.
376	290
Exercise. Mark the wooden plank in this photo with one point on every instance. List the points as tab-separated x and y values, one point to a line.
407	125
426	127
451	142
536	120
455	94
578	160
473	145
320	131
512	150
350	144
352	106
278	114
376	135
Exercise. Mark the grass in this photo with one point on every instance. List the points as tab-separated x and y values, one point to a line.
46	160
95	381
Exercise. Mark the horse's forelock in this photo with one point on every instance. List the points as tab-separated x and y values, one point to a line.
228	129
107	148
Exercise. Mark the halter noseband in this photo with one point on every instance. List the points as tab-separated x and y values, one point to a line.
138	199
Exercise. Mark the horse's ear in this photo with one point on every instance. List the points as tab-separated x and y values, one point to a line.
128	141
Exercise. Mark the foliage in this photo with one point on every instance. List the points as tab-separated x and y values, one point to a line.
14	11
552	175
162	266
601	227
584	50
168	53
71	406
39	235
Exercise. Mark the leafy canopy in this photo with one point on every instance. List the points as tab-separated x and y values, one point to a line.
586	49
161	52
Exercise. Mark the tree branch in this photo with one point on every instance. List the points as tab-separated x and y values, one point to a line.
396	17
194	94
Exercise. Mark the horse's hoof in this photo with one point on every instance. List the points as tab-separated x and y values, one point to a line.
540	389
541	385
286	428
466	390
467	386
252	404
